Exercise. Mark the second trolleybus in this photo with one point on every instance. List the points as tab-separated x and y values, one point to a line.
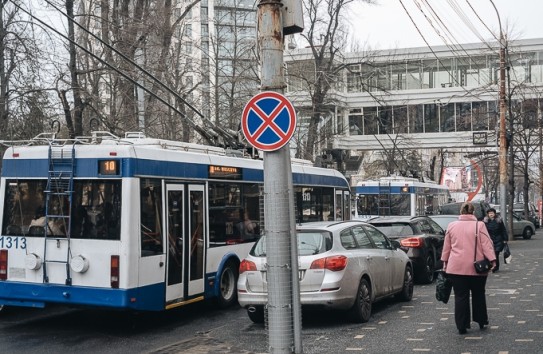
400	196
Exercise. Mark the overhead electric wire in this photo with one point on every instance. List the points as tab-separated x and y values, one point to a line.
455	44
431	50
466	20
483	22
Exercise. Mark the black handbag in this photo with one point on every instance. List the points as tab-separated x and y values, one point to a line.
484	265
506	254
443	287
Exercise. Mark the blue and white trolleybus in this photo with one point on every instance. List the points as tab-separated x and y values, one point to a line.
137	223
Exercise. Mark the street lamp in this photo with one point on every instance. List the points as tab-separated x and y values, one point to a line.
503	141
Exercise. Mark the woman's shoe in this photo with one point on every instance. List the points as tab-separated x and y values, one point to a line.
482	325
462	331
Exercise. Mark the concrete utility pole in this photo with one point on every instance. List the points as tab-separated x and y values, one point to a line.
502	154
503	139
284	310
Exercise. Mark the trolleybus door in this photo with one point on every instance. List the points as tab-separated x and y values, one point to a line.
185	216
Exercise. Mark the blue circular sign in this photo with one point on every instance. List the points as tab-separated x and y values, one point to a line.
268	121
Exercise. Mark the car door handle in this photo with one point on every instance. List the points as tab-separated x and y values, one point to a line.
387	258
369	258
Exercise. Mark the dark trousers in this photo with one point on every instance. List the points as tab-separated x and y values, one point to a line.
463	285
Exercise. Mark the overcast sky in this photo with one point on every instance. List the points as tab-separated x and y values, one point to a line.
387	25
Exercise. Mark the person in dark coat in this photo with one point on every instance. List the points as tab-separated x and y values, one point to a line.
498	233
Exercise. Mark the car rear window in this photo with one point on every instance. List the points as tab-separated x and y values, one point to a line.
395	230
309	243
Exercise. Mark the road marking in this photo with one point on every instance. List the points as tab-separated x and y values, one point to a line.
502	291
414	339
474	338
421	349
359	336
354	349
524	340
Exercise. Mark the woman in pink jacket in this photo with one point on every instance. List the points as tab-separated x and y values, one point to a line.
458	256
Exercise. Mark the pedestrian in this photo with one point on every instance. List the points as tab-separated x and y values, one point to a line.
458	258
498	233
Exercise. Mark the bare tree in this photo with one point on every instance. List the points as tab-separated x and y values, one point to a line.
25	103
326	35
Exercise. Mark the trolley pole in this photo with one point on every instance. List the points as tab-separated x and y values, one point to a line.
284	313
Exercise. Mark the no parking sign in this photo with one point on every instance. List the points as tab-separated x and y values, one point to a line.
268	121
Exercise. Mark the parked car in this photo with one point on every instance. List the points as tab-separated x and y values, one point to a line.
443	220
522	227
533	216
420	237
343	265
481	207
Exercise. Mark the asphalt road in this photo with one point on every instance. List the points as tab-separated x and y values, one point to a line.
422	325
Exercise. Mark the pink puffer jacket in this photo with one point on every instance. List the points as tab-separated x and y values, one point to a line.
459	245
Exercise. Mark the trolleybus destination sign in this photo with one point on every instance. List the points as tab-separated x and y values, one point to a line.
268	121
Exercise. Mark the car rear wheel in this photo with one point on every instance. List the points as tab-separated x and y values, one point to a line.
527	233
361	310
407	290
427	274
227	284
256	314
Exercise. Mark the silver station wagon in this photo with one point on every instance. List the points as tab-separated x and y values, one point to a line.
343	265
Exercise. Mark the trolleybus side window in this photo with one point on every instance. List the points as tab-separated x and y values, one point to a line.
314	204
234	213
151	204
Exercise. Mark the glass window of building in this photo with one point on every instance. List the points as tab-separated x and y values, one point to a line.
479	112
354	80
414	80
463	116
428	69
536	69
477	75
416	119
203	12
529	114
442	76
355	122
431	118
400	119
385	120
446	115
493	114
370	121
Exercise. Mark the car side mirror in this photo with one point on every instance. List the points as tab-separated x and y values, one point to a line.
395	244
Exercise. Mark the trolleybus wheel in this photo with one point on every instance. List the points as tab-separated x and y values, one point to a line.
228	284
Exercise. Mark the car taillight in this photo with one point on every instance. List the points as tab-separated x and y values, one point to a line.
334	263
3	264
412	242
115	272
246	266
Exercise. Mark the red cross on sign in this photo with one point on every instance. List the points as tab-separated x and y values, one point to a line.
268	121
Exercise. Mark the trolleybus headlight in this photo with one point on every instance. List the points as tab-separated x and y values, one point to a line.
33	261
79	264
